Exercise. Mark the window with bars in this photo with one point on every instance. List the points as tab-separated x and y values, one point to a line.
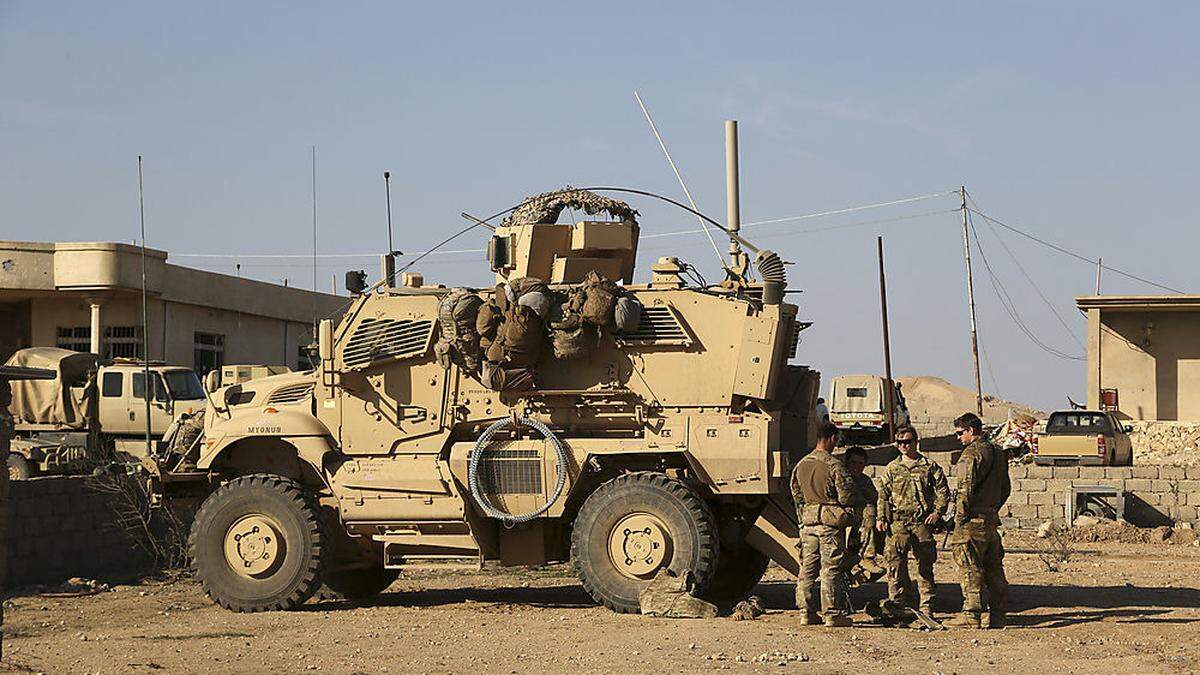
75	338
208	350
118	342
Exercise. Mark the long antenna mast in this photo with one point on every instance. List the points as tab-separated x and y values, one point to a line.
149	389
314	214
889	386
387	188
962	193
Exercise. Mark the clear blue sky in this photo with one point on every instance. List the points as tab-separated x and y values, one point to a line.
1073	120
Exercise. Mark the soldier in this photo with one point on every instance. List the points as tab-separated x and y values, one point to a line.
913	497
861	548
824	497
983	487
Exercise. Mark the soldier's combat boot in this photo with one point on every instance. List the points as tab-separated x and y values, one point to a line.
997	620
964	620
838	621
810	619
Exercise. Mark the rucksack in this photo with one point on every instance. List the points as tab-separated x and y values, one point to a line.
457	319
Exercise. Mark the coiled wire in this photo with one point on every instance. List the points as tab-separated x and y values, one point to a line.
477	455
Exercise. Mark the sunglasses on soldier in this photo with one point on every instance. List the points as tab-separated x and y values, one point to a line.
905	441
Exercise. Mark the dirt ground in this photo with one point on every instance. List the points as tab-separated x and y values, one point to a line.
1114	607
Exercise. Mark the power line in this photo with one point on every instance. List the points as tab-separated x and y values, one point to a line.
1010	306
1089	261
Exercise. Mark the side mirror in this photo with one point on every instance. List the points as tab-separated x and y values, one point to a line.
325	340
212	381
1128	428
232	394
356	281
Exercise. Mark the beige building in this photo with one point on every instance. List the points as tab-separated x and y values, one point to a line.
87	297
1144	350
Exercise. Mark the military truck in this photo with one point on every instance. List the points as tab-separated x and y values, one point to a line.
857	406
91	409
666	443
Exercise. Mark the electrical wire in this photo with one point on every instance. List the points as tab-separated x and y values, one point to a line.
1060	249
1010	307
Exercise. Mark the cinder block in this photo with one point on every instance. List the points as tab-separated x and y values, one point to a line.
1151	498
1041	498
1186	514
1145	471
1005	510
1177	472
1118	472
1010	523
1094	472
1138	485
1167	498
1033	485
1024	511
1059	497
1019	497
1189	485
1050	512
1065	471
1192	498
1041	471
1059	484
1192	472
1018	471
1163	485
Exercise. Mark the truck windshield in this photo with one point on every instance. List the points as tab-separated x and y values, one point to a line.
183	385
1078	423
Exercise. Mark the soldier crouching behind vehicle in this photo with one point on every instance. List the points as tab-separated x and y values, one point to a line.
983	487
913	497
824	497
861	543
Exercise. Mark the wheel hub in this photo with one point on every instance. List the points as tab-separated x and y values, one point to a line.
639	544
253	546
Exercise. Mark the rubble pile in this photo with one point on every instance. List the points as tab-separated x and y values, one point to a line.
1175	443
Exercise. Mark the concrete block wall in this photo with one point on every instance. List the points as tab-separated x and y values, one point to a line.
62	527
1154	494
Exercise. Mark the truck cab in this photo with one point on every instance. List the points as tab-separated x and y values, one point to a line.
857	407
173	391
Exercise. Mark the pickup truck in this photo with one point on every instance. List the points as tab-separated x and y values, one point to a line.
1083	437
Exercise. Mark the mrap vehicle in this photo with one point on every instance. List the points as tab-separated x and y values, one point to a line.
668	444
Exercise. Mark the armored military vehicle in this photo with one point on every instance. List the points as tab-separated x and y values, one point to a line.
655	427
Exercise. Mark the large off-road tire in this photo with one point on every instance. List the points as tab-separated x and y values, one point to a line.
357	584
19	468
634	525
257	544
739	569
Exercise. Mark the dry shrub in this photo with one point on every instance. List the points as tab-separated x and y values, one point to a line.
157	528
1056	549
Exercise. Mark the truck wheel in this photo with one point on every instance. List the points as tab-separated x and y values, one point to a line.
633	526
19	468
257	545
357	584
738	571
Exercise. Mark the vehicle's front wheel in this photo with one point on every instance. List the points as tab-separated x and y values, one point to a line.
633	526
19	468
257	545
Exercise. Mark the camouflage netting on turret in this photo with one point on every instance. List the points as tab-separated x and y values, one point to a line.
548	206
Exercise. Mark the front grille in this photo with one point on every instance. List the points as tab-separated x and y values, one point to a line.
293	393
385	339
510	472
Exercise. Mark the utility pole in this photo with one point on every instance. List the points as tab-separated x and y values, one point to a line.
1099	266
962	193
889	387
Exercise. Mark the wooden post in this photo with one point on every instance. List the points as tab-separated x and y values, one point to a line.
962	191
889	387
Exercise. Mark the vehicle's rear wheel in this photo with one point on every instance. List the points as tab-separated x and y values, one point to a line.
739	569
633	526
19	468
257	545
357	584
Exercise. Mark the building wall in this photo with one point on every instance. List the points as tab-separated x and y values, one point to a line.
1152	358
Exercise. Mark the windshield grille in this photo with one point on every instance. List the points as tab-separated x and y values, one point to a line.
383	339
291	394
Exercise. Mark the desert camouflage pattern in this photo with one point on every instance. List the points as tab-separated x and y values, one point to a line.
861	543
978	550
669	596
907	496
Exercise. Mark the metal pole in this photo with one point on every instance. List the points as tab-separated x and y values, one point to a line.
1099	266
962	191
889	386
733	204
148	389
387	189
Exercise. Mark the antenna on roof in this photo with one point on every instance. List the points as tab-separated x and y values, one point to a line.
148	389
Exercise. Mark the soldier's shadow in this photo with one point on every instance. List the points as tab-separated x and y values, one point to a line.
1073	604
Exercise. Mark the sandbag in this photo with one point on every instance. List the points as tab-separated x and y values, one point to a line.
669	596
572	344
627	314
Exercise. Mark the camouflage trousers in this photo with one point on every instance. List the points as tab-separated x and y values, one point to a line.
822	549
979	554
915	538
860	545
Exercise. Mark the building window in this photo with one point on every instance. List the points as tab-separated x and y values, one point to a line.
120	342
110	386
208	352
76	338
123	342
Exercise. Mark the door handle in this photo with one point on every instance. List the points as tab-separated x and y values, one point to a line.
130	415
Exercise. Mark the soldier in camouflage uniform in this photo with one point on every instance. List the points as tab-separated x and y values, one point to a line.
913	497
861	549
983	487
824	497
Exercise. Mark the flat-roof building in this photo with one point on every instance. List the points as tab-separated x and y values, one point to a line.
87	297
1144	355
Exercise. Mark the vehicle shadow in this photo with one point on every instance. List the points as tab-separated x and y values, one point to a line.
1076	604
562	596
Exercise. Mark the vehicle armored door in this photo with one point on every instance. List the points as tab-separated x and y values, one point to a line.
114	402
